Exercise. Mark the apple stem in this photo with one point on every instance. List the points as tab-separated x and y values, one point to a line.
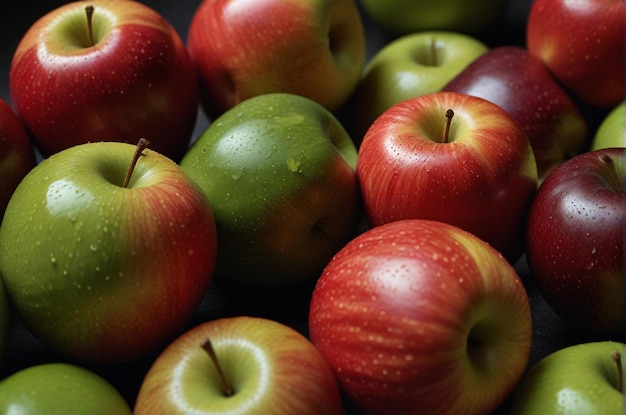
446	130
141	146
208	347
433	52
89	12
617	358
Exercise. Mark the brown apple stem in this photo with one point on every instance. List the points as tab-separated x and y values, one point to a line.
446	130
617	358
433	52
208	347
89	12
141	146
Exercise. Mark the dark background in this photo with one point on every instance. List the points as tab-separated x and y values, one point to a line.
549	331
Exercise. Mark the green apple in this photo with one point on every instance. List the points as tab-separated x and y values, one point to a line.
240	366
582	379
5	321
612	130
406	16
102	270
279	170
59	389
412	65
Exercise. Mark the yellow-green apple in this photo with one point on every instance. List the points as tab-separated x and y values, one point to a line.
119	72
575	241
451	157
421	317
585	378
583	45
612	130
398	17
106	249
240	365
17	156
5	321
243	48
279	170
60	389
519	82
414	64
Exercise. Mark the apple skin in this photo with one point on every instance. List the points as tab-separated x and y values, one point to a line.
5	321
583	45
482	180
60	389
575	241
279	170
412	65
103	273
17	156
137	81
400	17
421	317
243	48
612	130
519	82
272	368
579	379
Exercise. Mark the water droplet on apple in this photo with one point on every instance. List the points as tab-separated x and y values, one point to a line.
93	248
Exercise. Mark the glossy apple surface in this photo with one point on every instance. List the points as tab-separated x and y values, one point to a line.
100	272
519	82
5	322
412	65
17	156
579	379
60	389
612	130
583	45
244	48
269	367
279	170
134	80
421	317
399	17
575	241
481	179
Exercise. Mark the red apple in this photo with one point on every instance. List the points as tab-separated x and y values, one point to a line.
520	83
421	317
240	365
475	169
583	44
125	76
17	156
575	241
243	48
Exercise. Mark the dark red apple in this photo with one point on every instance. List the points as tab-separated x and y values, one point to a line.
575	241
583	43
17	156
520	83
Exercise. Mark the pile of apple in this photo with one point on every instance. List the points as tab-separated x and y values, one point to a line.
400	191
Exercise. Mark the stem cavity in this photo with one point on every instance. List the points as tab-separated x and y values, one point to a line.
89	13
446	130
141	146
226	387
